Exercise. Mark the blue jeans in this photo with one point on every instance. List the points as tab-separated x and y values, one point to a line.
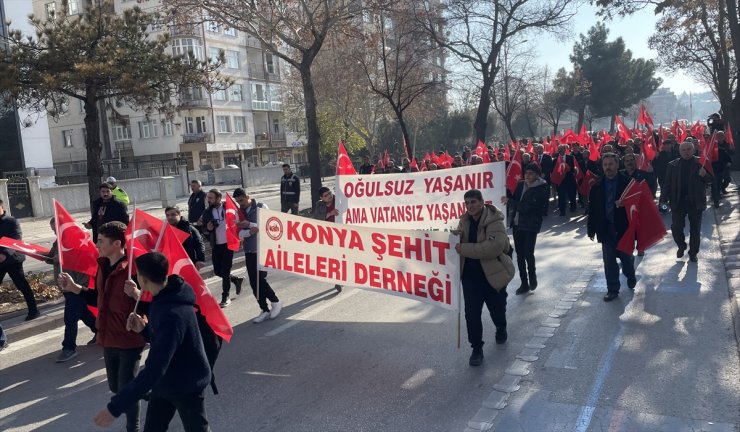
75	309
611	268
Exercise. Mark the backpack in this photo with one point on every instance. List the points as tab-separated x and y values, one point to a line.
211	343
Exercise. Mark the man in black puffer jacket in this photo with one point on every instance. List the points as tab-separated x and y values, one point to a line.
11	262
528	204
177	370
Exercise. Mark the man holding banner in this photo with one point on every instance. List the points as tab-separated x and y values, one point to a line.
486	269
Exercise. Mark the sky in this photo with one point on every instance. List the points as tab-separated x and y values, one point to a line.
634	29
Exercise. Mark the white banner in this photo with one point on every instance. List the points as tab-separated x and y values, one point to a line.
419	265
430	200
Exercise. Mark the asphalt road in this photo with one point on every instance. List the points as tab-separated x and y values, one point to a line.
663	359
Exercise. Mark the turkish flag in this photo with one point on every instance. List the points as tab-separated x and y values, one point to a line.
386	158
427	157
644	118
77	252
706	155
649	149
507	153
344	164
593	149
605	137
679	130
514	172
646	226
577	172
561	169
622	131
530	147
28	249
569	137
588	182
180	264
482	151
231	216
662	136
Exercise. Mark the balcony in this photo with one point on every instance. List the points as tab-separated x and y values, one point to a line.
260	105
178	30
257	72
270	140
197	138
193	103
122	145
253	42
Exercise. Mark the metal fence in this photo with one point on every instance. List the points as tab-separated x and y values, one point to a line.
76	172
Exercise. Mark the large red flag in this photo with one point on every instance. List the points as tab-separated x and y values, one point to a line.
588	182
507	153
706	155
77	252
697	129
530	147
482	151
180	264
514	172
622	131
593	149
344	164
645	223
569	137
34	251
561	169
644	118
231	216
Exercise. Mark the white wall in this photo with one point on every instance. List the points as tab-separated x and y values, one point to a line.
35	139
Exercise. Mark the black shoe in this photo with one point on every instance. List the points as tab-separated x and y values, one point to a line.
716	205
610	296
32	315
680	251
632	283
523	289
641	253
93	341
476	358
501	335
532	281
338	288
237	281
693	258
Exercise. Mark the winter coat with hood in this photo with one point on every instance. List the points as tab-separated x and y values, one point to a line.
491	247
177	364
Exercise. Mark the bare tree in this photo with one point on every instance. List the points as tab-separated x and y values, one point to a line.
295	31
509	91
399	61
476	30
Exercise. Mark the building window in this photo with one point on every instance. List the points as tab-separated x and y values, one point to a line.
181	47
236	92
195	125
121	132
259	97
232	59
214	53
157	23
193	93
168	128
228	31
276	125
239	124
51	11
276	99
73	7
67	137
84	135
220	95
212	26
224	125
82	106
269	63
148	129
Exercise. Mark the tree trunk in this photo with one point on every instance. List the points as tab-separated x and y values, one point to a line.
509	128
484	105
312	128
93	146
405	134
581	116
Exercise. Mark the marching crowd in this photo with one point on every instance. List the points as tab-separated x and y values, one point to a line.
179	367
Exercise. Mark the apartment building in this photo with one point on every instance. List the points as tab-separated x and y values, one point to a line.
209	130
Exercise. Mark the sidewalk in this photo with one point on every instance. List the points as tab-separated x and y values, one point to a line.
727	218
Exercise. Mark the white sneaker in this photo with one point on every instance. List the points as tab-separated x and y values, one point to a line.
276	308
261	317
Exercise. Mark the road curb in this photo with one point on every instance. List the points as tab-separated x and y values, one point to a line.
728	245
52	313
